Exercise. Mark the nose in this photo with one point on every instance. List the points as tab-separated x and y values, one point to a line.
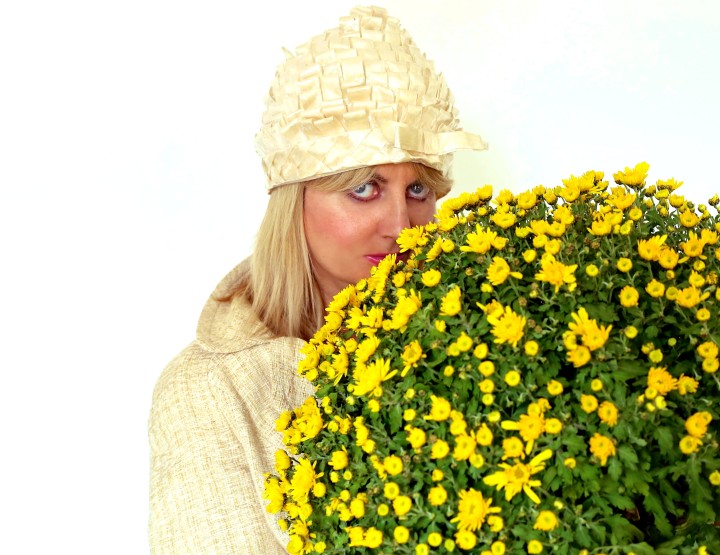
395	217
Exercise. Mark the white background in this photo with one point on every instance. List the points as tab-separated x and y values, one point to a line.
129	186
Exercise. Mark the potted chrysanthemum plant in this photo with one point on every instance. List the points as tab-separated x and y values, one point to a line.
541	375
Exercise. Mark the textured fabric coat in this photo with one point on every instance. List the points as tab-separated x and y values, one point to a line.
212	434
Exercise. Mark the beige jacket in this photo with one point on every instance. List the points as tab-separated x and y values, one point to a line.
212	434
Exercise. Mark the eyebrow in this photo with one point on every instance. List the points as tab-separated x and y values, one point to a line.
383	180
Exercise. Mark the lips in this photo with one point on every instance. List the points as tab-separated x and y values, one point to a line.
376	258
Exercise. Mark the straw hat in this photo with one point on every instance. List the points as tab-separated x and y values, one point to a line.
361	94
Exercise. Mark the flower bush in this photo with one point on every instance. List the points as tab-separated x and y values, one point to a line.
541	375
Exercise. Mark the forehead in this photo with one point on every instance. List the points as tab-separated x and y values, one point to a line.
396	172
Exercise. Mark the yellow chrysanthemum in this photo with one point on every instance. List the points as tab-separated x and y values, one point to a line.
303	480
686	384
393	465
707	349
431	278
465	539
694	246
600	228
608	413
402	505
369	377
440	409
439	449
415	437
473	509
688	218
464	447
450	304
499	271
546	521
518	477
484	435
593	335
690	445
553	426
437	495
668	258
401	534
531	348
534	547
602	447
661	380
589	403
275	493
695	279
527	200
513	448
339	459
703	315
412	353
507	327
624	264
579	356
412	237
629	296
554	387
503	220
556	273
530	426
697	424
655	288
710	365
690	296
633	177
649	249
481	241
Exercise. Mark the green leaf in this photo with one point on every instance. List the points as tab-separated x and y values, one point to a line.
627	456
395	418
614	468
574	444
640	549
582	535
629	369
622	530
637	481
601	311
620	501
664	438
653	503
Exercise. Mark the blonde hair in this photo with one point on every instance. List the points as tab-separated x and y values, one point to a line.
277	279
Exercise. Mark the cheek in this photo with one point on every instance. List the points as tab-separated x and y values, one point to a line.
422	213
326	231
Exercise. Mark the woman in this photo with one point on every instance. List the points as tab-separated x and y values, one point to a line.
356	142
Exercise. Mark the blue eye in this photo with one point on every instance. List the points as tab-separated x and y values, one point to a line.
366	191
418	191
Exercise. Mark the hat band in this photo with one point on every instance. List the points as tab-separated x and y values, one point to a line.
412	139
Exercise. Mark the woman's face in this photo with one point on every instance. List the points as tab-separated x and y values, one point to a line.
348	232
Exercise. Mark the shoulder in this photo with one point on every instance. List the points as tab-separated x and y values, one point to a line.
261	370
235	365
